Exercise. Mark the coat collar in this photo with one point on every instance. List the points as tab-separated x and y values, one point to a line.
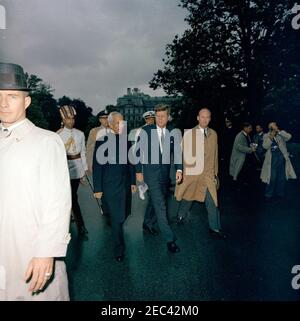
208	129
20	131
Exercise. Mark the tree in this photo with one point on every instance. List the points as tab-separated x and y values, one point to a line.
227	57
43	105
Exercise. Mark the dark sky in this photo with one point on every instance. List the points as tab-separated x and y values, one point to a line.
91	49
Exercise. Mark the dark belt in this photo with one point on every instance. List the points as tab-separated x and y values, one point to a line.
72	157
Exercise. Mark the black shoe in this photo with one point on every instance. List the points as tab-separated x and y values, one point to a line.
218	234
120	258
180	220
172	247
150	230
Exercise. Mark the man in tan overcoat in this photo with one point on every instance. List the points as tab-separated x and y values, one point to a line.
200	157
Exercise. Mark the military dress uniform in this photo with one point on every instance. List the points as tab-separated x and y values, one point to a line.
74	141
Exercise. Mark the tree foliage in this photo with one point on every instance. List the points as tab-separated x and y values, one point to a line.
44	109
43	106
234	56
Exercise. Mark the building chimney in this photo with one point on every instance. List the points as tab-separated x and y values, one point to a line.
128	91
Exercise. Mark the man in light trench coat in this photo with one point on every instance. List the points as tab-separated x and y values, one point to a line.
35	199
200	170
277	167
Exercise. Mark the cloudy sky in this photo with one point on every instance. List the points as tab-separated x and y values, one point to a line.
91	49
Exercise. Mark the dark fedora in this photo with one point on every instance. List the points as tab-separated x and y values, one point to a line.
12	77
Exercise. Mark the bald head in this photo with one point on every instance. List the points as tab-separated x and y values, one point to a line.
204	117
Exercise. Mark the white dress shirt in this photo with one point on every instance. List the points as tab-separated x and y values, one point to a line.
159	133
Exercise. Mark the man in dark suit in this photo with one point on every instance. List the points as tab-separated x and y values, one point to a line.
155	148
114	178
226	142
258	139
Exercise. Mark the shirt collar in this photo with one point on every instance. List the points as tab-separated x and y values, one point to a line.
13	126
244	133
68	130
203	130
161	129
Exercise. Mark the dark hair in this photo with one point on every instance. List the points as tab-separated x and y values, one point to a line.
272	122
245	125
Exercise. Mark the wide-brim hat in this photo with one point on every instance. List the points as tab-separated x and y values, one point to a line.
12	77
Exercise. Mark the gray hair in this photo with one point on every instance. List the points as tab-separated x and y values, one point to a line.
112	115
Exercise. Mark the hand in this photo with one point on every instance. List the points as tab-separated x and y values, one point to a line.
88	172
133	188
217	182
39	271
139	177
98	195
178	177
272	133
253	149
83	181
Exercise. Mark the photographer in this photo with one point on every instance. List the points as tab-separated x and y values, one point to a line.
277	167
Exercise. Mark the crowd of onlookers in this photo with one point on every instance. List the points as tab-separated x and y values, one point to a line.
263	155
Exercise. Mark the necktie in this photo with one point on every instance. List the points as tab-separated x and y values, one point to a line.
205	132
5	133
162	139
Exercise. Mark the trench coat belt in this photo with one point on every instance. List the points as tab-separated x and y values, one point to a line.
71	157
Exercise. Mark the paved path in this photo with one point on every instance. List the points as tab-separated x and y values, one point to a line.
254	263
